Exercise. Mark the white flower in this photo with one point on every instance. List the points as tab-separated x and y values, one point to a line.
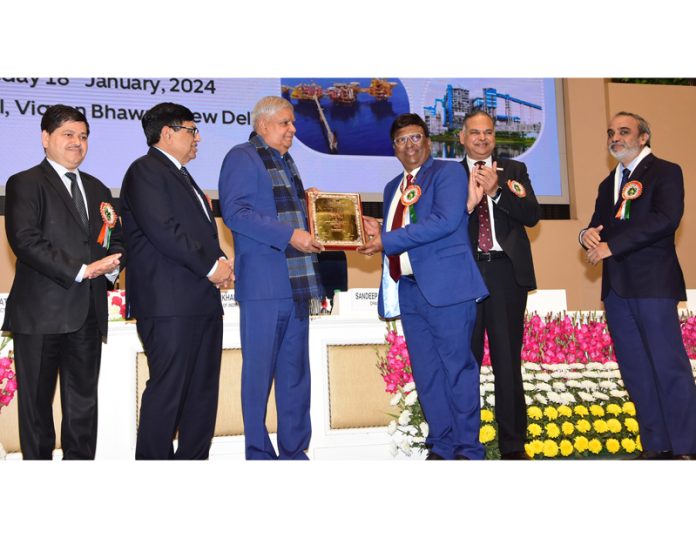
541	398
574	375
528	387
600	396
485	369
559	375
527	377
586	397
553	397
567	398
607	385
618	393
588	385
395	399
611	365
531	366
577	366
594	366
490	400
487	378
405	417
482	389
560	387
391	429
543	377
419	439
528	400
551	367
543	386
393	448
573	384
425	429
405	446
490	387
411	398
410	429
408	387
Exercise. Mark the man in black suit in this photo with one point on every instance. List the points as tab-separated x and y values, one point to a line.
172	288
638	210
504	257
57	309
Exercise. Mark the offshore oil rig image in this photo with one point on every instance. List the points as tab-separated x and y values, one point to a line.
343	94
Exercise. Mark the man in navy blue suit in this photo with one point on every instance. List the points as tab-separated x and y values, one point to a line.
430	279
262	200
637	212
172	288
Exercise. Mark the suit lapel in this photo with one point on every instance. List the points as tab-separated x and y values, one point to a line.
184	183
56	182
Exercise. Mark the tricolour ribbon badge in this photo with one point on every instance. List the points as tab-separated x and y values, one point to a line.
630	191
410	196
109	216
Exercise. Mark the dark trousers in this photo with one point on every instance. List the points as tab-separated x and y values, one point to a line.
444	370
275	347
39	358
183	356
656	370
502	316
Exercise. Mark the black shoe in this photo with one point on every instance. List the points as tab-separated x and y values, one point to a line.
685	457
654	455
433	456
517	455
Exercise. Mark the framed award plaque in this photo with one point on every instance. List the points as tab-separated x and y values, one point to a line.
335	219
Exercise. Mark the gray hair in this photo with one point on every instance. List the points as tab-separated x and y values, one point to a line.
268	106
643	125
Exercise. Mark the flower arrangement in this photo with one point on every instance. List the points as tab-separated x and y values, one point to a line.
8	379
116	300
577	405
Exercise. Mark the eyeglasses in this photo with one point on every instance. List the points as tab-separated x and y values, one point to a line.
193	130
415	138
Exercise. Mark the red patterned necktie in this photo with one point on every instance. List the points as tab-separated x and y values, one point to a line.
394	261
485	237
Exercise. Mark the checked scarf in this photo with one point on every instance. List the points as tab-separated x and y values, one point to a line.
307	291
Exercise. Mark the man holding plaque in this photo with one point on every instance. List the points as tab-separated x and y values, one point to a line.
430	278
638	210
262	201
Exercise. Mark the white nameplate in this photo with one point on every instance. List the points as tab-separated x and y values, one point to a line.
3	304
229	305
356	302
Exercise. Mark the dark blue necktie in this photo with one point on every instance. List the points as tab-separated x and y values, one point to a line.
624	178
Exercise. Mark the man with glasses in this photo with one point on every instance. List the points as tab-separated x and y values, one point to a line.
429	277
263	202
172	288
638	209
504	257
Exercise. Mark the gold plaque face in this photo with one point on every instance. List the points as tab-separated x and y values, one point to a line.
335	219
